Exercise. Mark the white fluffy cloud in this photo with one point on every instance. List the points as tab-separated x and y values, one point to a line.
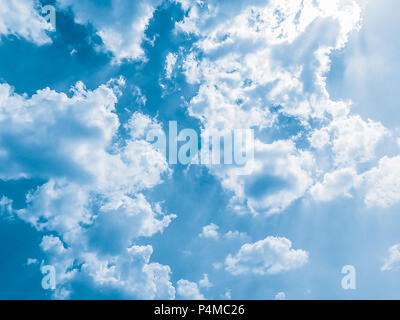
378	186
281	173
269	256
21	18
120	23
189	290
257	62
335	184
351	139
205	282
130	272
94	177
236	235
382	183
210	231
392	262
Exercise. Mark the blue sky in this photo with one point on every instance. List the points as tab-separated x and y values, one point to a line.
82	190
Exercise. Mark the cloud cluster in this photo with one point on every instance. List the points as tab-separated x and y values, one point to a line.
130	272
21	19
94	177
258	65
263	65
120	23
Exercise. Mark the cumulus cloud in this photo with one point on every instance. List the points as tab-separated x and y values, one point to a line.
205	282
132	273
22	19
119	212
120	23
382	183
269	256
210	231
91	197
378	186
351	139
189	290
280	174
335	184
258	65
263	65
236	235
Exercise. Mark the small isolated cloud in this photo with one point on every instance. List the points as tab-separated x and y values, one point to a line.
6	206
228	295
280	296
30	261
217	265
210	231
392	262
189	290
170	62
269	256
236	235
205	282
